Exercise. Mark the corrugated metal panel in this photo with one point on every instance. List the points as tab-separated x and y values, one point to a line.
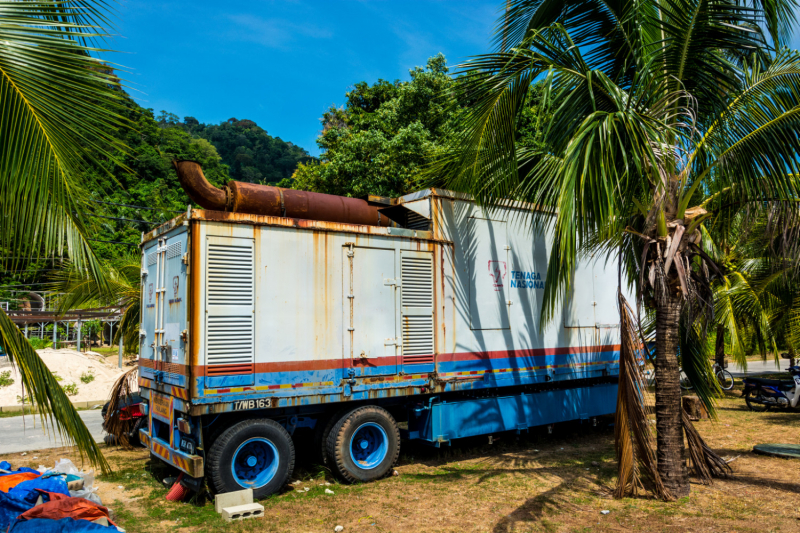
417	306
230	322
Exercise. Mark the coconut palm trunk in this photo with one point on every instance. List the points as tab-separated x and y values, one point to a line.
719	346
669	431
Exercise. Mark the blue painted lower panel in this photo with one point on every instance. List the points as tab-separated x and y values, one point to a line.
444	421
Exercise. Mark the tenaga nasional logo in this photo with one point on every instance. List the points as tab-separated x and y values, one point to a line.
527	280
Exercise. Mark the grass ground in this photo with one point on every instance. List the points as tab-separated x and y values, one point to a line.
539	483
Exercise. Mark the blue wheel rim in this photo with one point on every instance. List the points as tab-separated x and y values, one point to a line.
255	463
369	446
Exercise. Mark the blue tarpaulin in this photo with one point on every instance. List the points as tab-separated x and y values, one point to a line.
10	509
65	525
27	489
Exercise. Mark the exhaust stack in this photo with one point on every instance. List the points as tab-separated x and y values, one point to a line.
241	197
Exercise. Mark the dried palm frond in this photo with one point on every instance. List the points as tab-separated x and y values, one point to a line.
115	424
633	436
705	462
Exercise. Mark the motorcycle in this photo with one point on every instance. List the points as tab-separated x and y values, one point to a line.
131	414
763	394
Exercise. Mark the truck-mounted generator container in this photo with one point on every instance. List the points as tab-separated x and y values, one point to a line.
264	325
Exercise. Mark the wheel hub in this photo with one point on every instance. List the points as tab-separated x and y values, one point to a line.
369	446
255	463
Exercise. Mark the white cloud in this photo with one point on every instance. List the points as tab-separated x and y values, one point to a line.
274	33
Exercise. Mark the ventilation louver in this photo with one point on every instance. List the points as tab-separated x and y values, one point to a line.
417	307
174	250
230	332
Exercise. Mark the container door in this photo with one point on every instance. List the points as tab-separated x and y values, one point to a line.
174	309
416	309
230	312
147	346
370	309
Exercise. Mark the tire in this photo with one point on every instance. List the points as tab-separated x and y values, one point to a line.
321	433
751	400
253	454
133	437
364	444
725	380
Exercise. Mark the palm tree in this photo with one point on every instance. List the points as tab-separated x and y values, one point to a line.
58	114
757	300
120	285
665	114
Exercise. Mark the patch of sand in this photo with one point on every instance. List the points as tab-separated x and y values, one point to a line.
70	365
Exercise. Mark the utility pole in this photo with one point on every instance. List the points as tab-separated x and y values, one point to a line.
78	336
26	330
55	335
120	351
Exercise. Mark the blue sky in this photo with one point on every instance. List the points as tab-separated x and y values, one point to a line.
282	63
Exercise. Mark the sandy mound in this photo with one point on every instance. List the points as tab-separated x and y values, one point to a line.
70	365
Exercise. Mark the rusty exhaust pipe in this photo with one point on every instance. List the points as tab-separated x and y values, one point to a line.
241	197
194	182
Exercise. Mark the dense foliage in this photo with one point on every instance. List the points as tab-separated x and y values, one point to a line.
140	190
384	135
377	142
251	154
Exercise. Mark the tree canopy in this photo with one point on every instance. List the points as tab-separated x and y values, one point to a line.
252	155
377	142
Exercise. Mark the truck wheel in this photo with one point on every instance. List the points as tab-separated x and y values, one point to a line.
252	454
364	444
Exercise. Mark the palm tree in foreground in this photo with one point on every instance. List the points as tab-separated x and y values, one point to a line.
120	285
58	115
665	116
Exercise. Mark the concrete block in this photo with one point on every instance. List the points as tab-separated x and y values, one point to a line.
242	512
233	499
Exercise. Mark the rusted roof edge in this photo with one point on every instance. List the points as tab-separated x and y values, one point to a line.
313	225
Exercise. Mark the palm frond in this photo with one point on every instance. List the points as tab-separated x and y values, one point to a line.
114	423
706	464
59	113
78	288
633	434
45	392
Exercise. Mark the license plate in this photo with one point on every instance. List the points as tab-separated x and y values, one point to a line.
261	403
161	407
187	446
